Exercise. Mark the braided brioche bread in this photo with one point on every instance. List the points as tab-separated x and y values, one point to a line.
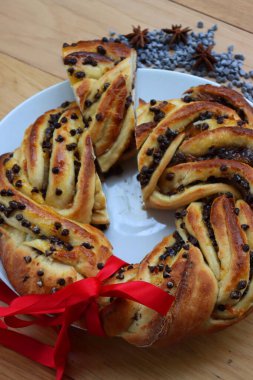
55	166
197	157
47	182
102	78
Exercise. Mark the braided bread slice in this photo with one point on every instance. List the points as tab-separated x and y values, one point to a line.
40	249
102	78
224	96
207	264
54	166
171	136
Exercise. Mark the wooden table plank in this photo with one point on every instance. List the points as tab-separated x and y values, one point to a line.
19	81
38	39
234	12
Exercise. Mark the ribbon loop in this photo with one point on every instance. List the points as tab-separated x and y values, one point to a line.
77	301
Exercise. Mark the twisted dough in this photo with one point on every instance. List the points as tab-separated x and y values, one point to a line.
195	153
102	78
47	182
200	156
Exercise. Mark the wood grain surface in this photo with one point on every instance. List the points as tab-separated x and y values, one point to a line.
32	32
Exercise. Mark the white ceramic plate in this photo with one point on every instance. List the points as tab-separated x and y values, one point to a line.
133	231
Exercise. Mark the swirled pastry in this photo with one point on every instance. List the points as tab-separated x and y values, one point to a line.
173	174
54	166
102	77
47	187
195	156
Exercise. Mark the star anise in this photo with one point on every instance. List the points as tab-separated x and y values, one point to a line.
204	57
138	38
179	34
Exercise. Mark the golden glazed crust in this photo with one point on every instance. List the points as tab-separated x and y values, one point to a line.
58	141
40	249
195	155
102	78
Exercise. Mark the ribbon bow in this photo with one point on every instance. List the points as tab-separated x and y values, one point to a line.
70	304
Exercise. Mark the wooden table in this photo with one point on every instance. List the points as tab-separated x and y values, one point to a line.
32	32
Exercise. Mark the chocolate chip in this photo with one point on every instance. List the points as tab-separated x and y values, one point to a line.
35	190
166	275
58	192
99	116
74	116
55	170
25	223
40	273
245	247
185	255
36	230
87	245
152	102
236	211
221	307
244	227
79	131
170	176
187	99
101	50
170	285
89	61
65	232
235	295
151	268
9	193
13	205
223	168
9	175
149	151
57	225
65	44
87	103
70	61
73	132
106	85
68	246
180	188
242	284
19	217
16	168
19	183
59	139
80	74
71	146
21	206
27	259
186	247
120	276
100	265
61	282
64	120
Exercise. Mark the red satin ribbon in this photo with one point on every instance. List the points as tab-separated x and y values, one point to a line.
68	305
